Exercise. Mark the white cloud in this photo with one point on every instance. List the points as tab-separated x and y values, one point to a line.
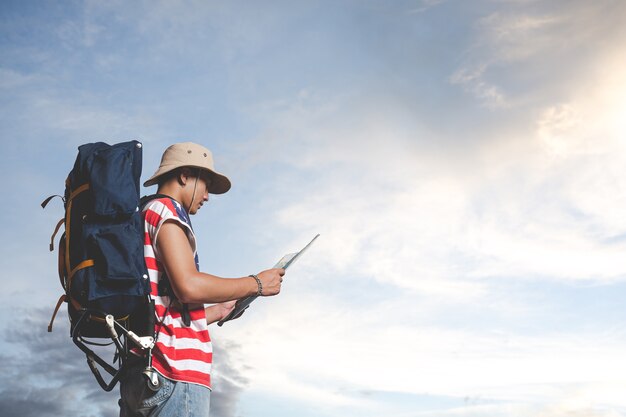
518	36
549	44
425	5
10	79
413	221
541	203
472	80
310	349
84	33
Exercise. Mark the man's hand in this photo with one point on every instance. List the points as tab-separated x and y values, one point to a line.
271	279
219	311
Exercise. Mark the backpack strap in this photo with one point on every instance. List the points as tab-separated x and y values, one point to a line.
143	202
63	261
47	200
56	230
62	299
164	287
87	262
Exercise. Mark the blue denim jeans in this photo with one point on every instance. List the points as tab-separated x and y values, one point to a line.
173	399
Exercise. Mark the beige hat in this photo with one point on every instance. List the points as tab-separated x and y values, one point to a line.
189	154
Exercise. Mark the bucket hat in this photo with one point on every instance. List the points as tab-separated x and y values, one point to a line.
189	154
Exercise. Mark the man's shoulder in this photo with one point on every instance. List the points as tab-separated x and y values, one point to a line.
163	206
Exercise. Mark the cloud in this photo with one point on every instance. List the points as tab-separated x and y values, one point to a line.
45	374
496	410
449	230
80	33
395	205
400	213
472	81
518	52
425	5
10	79
230	381
321	351
456	223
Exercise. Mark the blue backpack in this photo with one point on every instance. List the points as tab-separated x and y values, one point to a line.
101	262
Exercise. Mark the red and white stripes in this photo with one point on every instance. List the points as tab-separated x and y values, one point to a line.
181	353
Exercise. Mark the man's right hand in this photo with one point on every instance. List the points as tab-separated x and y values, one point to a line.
271	279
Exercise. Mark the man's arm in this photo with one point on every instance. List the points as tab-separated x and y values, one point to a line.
192	286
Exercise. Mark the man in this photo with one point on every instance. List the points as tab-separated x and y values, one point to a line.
182	355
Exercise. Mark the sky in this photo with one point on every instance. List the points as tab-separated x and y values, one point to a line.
463	161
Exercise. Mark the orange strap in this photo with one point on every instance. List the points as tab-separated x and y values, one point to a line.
79	190
75	303
84	264
65	272
56	310
64	255
100	319
56	230
61	263
68	213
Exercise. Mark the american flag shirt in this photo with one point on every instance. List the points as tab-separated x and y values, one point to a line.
181	353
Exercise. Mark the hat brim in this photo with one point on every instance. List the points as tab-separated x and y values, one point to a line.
220	184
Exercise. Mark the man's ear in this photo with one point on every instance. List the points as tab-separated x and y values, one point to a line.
183	176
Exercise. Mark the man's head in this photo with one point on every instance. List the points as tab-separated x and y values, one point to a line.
192	155
187	174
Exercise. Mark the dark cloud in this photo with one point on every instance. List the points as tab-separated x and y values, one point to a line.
45	374
228	381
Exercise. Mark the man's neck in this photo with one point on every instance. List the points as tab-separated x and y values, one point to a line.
172	191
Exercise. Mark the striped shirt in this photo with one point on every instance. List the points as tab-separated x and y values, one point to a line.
181	353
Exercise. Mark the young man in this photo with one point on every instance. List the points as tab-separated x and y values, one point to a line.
183	355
